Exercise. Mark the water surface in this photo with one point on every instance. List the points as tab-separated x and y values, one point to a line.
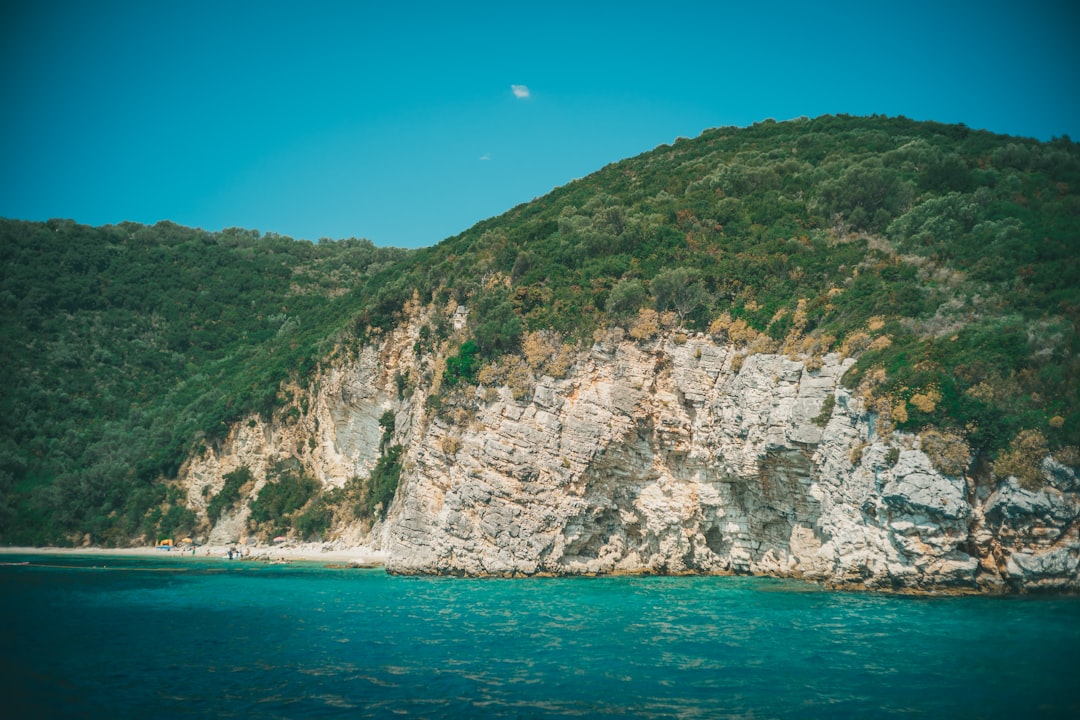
111	637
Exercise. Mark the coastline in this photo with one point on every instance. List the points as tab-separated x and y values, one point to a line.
308	552
363	557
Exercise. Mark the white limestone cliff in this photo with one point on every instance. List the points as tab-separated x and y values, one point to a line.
658	457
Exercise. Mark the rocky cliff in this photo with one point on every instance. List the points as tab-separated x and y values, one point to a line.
678	455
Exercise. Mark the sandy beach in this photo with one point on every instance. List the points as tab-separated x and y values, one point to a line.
308	552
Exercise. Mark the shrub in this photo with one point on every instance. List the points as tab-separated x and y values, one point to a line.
646	326
948	452
822	418
314	520
926	402
519	379
463	366
229	493
892	456
545	353
178	521
382	485
857	453
1023	459
387	421
450	445
277	501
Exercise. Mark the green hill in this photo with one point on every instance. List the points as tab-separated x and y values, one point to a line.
944	258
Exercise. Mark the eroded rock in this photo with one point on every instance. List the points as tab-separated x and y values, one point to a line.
662	458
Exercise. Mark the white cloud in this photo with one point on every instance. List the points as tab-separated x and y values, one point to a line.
520	91
485	156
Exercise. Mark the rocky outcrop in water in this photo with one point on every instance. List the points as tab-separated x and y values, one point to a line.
674	456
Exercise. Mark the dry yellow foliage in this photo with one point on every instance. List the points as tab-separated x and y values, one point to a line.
520	380
546	353
926	401
449	445
721	324
536	347
982	391
855	456
798	322
740	332
560	362
646	326
463	416
1023	458
880	343
874	377
496	279
762	344
1068	455
855	343
492	374
948	451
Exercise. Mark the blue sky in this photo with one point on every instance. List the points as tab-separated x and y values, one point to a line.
399	122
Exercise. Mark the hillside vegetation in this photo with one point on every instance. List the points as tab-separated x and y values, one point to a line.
944	258
129	347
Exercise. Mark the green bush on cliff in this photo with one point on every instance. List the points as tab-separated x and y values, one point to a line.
314	520
274	509
229	494
384	480
462	367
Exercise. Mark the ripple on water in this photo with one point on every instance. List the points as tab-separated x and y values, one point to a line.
308	643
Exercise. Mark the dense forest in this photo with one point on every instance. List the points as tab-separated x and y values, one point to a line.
128	347
945	259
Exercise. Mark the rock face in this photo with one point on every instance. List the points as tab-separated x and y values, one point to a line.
665	457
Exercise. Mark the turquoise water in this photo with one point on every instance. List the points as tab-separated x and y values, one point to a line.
171	637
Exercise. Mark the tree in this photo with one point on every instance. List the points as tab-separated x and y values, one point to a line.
625	298
680	290
867	195
387	422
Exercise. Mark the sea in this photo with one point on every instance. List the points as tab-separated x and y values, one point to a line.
92	636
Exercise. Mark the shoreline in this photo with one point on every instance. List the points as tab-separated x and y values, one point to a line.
363	557
355	557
